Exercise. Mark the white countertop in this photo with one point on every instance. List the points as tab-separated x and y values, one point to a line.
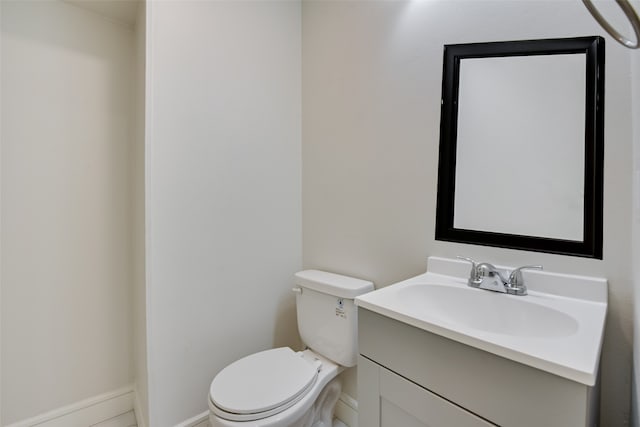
557	328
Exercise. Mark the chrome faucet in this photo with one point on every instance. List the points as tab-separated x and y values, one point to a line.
486	276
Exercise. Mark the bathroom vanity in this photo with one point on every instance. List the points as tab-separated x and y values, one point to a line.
434	352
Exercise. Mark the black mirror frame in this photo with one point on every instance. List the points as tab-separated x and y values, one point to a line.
594	48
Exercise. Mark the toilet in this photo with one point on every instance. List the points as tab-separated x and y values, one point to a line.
284	388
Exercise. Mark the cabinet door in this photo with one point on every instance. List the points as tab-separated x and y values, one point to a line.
368	393
403	403
389	400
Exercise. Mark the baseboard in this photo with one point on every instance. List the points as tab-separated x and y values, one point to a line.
200	420
86	412
347	410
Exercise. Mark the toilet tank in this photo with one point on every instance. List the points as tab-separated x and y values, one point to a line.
327	316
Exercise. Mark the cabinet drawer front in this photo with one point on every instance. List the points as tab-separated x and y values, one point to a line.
409	405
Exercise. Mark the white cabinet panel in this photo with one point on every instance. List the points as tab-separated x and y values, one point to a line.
388	400
406	404
393	416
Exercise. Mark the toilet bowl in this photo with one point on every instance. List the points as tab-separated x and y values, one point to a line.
284	388
275	388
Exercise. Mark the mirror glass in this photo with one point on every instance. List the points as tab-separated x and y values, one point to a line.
521	145
530	177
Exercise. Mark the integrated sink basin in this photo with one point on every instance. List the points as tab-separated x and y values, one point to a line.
487	311
558	327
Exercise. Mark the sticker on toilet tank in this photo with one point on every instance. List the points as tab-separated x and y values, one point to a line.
340	309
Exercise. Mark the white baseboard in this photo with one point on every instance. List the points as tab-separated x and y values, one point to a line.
86	412
200	420
347	410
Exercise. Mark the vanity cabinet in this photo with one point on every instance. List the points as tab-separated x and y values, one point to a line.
410	377
389	400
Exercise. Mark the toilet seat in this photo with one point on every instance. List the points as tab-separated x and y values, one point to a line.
262	384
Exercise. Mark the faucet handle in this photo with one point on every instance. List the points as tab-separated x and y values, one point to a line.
474	274
515	278
464	258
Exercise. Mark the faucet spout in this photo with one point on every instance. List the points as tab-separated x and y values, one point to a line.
491	278
489	270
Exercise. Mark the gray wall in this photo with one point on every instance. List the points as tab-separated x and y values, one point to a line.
371	108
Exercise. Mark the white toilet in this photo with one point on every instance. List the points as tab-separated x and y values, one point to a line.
283	388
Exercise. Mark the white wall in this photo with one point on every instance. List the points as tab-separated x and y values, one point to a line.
223	203
65	206
1	107
635	78
138	233
371	111
1	115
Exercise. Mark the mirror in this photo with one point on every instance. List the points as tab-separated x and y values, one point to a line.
521	145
